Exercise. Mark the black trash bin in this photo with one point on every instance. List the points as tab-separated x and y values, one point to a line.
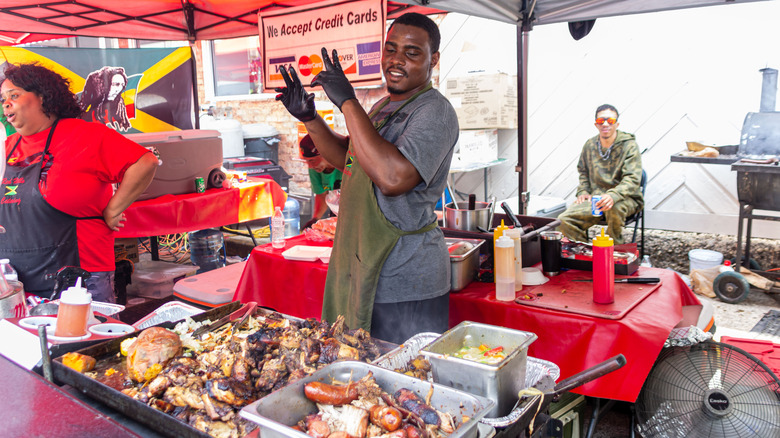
261	141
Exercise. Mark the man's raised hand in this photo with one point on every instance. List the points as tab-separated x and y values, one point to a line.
298	102
333	80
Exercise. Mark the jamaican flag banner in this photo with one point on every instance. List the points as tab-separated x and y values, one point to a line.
129	90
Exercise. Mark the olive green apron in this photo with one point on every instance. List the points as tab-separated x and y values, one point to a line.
363	241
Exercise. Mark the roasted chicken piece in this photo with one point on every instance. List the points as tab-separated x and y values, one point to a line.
273	371
230	391
332	350
150	352
180	396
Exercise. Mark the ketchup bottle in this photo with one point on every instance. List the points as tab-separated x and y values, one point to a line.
603	269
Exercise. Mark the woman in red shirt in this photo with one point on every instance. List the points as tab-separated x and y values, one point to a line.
58	202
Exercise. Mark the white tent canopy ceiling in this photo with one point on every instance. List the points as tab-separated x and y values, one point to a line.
24	21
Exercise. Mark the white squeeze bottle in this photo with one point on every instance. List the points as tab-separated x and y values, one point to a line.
505	268
277	228
73	311
516	234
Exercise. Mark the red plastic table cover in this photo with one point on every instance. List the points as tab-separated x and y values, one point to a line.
291	287
573	341
171	214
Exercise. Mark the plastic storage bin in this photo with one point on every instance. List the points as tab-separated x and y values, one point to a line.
155	279
212	288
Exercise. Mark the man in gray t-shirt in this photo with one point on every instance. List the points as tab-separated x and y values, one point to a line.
389	270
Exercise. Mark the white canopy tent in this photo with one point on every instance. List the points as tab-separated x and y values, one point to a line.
33	20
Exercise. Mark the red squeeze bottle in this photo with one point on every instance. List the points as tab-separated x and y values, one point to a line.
603	269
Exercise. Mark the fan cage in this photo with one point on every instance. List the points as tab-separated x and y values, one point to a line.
709	389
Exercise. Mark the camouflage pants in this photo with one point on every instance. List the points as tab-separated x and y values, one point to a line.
577	219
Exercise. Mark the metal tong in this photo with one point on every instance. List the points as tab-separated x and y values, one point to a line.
242	314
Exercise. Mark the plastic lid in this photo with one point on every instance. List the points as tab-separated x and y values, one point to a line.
725	263
5	260
603	240
256	130
505	242
76	294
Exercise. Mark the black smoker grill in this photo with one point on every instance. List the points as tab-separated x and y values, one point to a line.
755	160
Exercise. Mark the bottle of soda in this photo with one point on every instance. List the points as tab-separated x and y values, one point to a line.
277	228
8	271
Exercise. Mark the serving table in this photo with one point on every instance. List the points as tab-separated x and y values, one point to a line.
573	341
171	214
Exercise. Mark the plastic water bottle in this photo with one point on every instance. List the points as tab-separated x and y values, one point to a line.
8	271
292	217
277	228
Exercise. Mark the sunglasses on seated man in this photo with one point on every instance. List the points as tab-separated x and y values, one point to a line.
610	120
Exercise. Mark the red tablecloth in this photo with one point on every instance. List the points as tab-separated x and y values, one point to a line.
573	341
288	286
171	214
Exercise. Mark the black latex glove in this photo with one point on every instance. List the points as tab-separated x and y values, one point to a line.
298	102
333	80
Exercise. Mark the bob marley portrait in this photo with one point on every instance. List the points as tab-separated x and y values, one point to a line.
102	99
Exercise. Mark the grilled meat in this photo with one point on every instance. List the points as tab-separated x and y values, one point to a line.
227	371
273	371
230	391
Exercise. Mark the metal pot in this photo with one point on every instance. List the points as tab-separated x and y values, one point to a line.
467	220
12	303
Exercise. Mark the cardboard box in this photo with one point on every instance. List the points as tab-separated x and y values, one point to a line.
126	248
477	146
484	101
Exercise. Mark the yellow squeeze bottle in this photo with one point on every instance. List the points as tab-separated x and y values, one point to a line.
497	232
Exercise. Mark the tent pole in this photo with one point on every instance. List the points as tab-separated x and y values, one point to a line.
522	114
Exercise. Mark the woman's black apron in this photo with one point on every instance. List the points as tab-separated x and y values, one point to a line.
39	239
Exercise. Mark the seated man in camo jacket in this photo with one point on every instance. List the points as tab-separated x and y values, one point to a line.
610	165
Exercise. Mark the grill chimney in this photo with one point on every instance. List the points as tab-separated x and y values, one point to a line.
768	90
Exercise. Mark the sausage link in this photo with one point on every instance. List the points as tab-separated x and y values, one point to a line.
320	392
386	417
411	401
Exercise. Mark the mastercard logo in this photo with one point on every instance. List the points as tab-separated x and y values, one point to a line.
310	65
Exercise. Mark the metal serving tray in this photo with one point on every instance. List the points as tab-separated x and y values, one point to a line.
278	411
157	420
464	267
535	369
500	382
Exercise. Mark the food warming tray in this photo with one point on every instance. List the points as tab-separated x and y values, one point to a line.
500	382
278	411
159	421
134	409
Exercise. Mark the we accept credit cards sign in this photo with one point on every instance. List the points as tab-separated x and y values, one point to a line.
295	37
